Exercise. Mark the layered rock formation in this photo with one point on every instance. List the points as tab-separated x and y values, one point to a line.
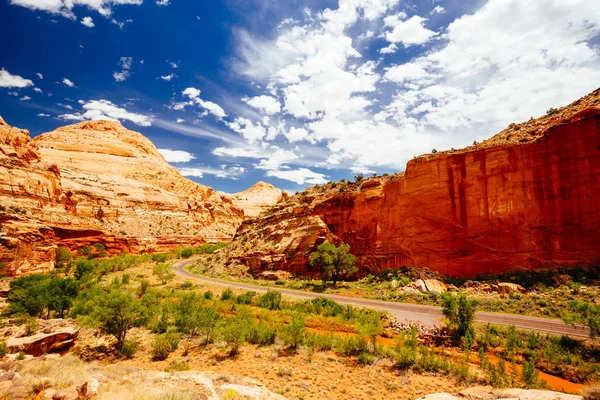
526	198
97	182
258	198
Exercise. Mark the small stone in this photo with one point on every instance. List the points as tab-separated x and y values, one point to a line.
10	376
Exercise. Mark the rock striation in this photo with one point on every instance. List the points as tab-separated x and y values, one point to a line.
98	182
525	199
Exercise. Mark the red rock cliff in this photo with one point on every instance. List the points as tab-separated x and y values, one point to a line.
527	198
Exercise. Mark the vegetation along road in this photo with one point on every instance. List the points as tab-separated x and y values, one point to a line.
413	312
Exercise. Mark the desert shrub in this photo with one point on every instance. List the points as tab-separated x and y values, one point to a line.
160	257
31	327
125	279
263	335
162	347
187	253
208	295
63	256
513	340
325	306
279	282
405	358
369	326
20	357
207	321
529	373
83	267
460	313
350	346
295	330
163	272
235	331
3	349
245	298
227	294
144	285
366	358
130	347
585	313
320	342
270	300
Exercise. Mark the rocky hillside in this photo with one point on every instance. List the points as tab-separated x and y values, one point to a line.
258	198
98	182
526	198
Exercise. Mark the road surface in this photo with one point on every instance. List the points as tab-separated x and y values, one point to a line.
413	312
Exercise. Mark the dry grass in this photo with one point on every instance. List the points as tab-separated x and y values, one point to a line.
591	392
60	372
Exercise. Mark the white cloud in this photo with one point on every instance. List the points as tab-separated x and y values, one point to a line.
65	7
68	82
301	176
9	81
38	90
176	156
268	104
236	152
104	109
167	77
173	64
480	75
162	2
43	115
87	21
437	10
194	96
275	160
125	64
179	120
224	171
25	98
409	32
39	75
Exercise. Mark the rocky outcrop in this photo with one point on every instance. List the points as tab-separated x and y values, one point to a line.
98	182
258	198
525	199
43	343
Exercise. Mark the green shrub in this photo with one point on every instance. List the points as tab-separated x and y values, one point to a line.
235	331
270	300
31	327
83	267
246	298
63	256
161	348
144	285
366	358
160	257
295	330
460	313
227	294
3	349
21	356
187	253
279	282
369	326
263	335
208	295
39	294
175	366
130	347
405	358
163	272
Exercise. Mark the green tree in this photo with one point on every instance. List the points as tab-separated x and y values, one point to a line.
235	331
60	295
163	272
335	262
460	313
28	295
207	319
63	256
584	313
115	313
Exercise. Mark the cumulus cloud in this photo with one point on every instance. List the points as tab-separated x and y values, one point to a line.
163	2
268	104
233	172
65	7
194	95
9	80
87	21
462	82
25	98
39	75
68	82
301	176
38	90
125	64
176	156
105	109
167	77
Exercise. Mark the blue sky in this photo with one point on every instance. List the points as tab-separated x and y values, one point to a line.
294	92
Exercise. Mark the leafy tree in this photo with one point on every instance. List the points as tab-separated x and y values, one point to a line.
270	300
63	256
335	262
83	267
235	331
27	295
460	313
163	272
207	319
115	313
60	295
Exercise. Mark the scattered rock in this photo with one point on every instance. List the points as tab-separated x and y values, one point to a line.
42	343
9	376
507	288
435	286
88	389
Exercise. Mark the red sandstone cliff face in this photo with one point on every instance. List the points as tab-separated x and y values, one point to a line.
491	208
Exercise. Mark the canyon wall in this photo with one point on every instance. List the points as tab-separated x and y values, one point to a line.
98	182
527	198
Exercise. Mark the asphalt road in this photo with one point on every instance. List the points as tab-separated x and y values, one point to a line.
413	312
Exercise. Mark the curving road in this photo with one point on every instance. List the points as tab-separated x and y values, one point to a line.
414	312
